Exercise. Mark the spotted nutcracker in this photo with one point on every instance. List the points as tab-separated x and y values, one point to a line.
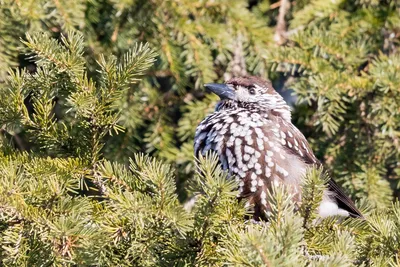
252	133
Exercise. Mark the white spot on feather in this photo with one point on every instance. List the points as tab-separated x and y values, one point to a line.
267	172
289	144
260	143
281	170
230	141
230	157
259	132
304	146
248	149
217	126
238	142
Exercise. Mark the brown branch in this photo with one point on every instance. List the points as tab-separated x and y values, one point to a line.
280	34
237	66
62	12
275	5
115	34
263	256
160	73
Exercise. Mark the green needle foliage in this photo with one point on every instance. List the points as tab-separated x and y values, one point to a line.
99	101
347	55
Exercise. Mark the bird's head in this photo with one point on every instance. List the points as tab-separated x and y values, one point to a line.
250	92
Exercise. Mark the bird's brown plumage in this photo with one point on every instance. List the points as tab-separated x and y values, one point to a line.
256	142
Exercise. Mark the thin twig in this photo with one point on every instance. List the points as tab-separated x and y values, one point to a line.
275	5
280	34
237	66
114	35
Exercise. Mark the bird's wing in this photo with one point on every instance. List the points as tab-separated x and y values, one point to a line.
343	201
295	143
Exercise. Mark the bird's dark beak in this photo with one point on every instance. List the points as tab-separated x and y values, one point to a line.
221	90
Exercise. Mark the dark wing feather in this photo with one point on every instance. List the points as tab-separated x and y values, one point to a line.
296	137
343	201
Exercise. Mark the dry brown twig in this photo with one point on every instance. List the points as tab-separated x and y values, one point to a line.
280	34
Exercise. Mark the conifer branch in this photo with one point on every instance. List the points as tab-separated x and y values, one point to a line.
81	195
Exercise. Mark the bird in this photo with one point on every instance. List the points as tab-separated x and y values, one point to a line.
251	132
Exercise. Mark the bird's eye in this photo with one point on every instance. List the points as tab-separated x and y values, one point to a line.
252	91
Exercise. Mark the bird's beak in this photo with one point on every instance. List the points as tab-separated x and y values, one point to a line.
221	90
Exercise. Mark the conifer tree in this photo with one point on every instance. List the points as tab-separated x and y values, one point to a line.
99	101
